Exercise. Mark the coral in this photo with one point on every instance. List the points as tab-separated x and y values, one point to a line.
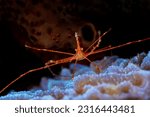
119	79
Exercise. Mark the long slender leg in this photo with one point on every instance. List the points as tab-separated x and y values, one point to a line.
104	48
48	50
96	41
111	48
24	74
49	64
97	68
74	69
88	59
53	74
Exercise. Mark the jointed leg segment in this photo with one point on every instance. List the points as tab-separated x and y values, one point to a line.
79	55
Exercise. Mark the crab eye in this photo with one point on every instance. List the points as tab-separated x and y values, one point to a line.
76	34
51	61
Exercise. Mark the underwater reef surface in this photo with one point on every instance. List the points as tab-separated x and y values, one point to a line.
109	78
